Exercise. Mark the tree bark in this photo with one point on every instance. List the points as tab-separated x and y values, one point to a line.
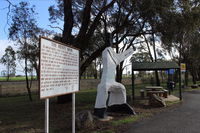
68	22
119	71
89	60
8	72
186	77
67	38
156	72
27	80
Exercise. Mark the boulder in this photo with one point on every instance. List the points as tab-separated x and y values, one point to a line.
121	108
156	101
84	119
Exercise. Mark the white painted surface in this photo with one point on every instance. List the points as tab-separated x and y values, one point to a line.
59	69
108	83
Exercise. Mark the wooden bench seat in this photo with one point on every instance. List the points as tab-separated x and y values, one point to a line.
161	93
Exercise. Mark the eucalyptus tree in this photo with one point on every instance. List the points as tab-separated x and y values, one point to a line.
85	20
8	59
179	28
24	32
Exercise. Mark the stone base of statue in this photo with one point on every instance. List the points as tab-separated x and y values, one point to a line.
100	112
121	108
125	108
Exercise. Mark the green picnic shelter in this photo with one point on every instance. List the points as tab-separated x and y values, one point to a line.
152	66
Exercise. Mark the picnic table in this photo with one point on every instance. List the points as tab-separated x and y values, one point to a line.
153	88
150	90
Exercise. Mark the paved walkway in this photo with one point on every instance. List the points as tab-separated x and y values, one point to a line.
183	119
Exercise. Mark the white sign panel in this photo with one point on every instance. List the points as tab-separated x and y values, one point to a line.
59	68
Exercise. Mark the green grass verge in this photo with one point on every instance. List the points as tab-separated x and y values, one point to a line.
106	131
23	78
169	103
130	119
17	111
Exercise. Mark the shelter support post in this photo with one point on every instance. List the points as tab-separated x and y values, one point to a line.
168	80
180	88
133	85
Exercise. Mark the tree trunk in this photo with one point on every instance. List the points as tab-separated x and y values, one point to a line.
186	78
67	38
157	78
68	22
95	69
156	72
27	80
8	72
64	99
119	71
100	71
193	78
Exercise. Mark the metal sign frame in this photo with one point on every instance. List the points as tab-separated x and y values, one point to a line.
67	46
47	97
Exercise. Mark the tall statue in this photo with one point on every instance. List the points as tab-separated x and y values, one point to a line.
111	95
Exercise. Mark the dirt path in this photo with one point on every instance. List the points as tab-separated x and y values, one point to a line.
184	119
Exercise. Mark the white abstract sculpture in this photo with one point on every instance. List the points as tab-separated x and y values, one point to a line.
108	83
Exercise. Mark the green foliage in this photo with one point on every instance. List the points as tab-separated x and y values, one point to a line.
25	33
21	78
8	59
140	57
24	25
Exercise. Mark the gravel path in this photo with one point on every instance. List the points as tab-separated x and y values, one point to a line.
183	119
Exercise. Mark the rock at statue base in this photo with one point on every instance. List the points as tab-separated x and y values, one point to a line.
100	113
156	101
106	118
84	119
121	108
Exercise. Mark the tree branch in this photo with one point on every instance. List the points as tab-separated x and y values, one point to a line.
85	20
56	27
97	19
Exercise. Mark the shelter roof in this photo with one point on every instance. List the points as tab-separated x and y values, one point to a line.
147	66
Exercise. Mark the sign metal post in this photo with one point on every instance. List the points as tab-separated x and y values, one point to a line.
59	73
73	113
47	115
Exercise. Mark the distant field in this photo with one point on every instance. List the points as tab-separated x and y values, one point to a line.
15	78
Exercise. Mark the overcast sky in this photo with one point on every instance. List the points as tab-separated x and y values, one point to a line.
42	18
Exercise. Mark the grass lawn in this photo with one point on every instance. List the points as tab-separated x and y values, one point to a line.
19	115
22	78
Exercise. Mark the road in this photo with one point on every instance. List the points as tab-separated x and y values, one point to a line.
183	119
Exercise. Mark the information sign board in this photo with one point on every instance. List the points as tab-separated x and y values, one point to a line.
59	68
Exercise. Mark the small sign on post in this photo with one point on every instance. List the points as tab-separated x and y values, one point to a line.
183	67
59	73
